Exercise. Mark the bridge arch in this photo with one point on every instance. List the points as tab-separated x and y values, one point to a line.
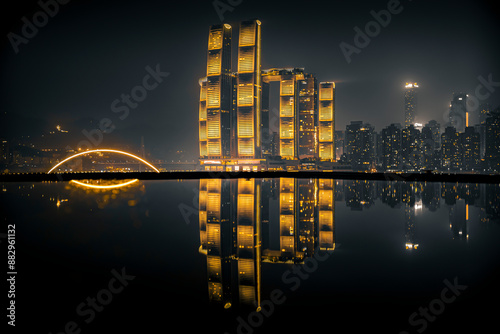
104	150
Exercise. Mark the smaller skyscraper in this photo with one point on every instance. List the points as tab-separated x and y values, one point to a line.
492	142
411	148
326	118
458	116
451	149
391	147
470	140
433	131
361	145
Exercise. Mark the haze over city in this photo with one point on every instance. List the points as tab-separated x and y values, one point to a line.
83	59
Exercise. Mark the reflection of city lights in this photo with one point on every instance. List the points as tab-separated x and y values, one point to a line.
104	150
111	186
411	246
58	203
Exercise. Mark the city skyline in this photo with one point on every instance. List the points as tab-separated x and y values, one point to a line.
368	75
230	166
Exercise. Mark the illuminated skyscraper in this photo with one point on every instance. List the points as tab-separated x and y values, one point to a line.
411	90
215	97
326	119
297	110
288	115
234	118
249	90
308	91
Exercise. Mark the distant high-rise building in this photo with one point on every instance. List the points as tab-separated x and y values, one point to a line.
411	90
458	116
431	144
432	131
470	141
360	145
451	149
411	148
492	141
391	147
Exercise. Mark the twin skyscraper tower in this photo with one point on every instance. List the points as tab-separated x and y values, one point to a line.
235	121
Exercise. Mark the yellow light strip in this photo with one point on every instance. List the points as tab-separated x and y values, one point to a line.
105	150
95	186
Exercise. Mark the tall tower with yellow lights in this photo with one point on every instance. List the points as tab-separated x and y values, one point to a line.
215	97
249	90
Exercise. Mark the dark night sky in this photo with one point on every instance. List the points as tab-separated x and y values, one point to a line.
93	51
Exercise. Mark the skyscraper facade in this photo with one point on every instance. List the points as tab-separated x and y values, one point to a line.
249	88
326	120
360	146
451	149
492	141
391	147
216	96
411	90
470	141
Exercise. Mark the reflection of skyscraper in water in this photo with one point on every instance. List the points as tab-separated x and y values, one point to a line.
410	227
248	240
411	192
459	215
230	238
236	233
359	194
215	238
326	214
306	206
